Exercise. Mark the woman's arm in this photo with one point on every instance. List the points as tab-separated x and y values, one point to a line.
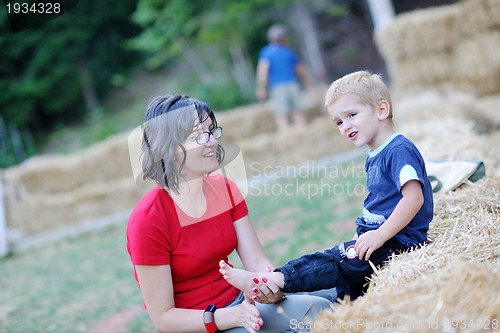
254	259
249	247
157	291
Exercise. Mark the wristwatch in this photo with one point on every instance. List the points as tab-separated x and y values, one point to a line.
209	320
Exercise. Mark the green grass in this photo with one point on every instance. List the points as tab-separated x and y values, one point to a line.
69	285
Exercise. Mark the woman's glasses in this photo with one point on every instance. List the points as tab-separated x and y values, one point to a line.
204	137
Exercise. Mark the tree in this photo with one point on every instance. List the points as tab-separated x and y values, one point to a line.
55	72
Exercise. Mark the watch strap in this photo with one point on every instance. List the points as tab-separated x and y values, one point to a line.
208	319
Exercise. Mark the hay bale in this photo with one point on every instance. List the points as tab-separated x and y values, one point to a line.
102	162
419	33
456	298
435	121
456	45
293	146
426	70
247	121
414	105
485	114
478	16
476	63
40	213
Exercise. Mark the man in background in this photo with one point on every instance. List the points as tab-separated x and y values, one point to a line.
278	73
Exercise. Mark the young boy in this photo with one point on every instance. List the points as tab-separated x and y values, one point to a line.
397	210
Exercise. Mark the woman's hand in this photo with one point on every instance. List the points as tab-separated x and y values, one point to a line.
248	316
266	291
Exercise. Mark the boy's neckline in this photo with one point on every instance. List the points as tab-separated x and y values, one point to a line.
373	153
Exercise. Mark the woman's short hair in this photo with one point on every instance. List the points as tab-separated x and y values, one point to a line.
169	121
368	87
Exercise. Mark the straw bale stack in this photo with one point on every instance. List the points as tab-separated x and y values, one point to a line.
456	45
58	173
478	16
486	114
476	63
415	105
419	33
294	146
37	212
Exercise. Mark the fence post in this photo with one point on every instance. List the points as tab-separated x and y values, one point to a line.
382	13
4	249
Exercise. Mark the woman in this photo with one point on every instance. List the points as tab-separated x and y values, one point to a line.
182	228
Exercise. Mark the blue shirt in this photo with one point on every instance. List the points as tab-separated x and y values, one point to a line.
282	63
388	168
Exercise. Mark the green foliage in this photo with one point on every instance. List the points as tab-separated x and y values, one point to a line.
15	146
220	95
220	23
42	68
164	24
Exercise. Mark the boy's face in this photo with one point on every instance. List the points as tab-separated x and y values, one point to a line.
359	123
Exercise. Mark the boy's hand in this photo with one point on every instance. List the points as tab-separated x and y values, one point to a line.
367	243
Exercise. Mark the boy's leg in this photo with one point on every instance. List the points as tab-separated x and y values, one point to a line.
353	290
335	267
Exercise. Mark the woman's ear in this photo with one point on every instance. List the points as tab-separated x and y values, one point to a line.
383	109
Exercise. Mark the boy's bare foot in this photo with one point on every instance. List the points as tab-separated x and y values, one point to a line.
243	280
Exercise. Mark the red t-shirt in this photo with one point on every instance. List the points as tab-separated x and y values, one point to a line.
160	233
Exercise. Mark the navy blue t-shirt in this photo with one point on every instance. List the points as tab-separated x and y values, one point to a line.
388	168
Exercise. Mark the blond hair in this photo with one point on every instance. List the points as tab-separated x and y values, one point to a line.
368	87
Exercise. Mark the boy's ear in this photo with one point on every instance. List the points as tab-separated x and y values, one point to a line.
383	109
